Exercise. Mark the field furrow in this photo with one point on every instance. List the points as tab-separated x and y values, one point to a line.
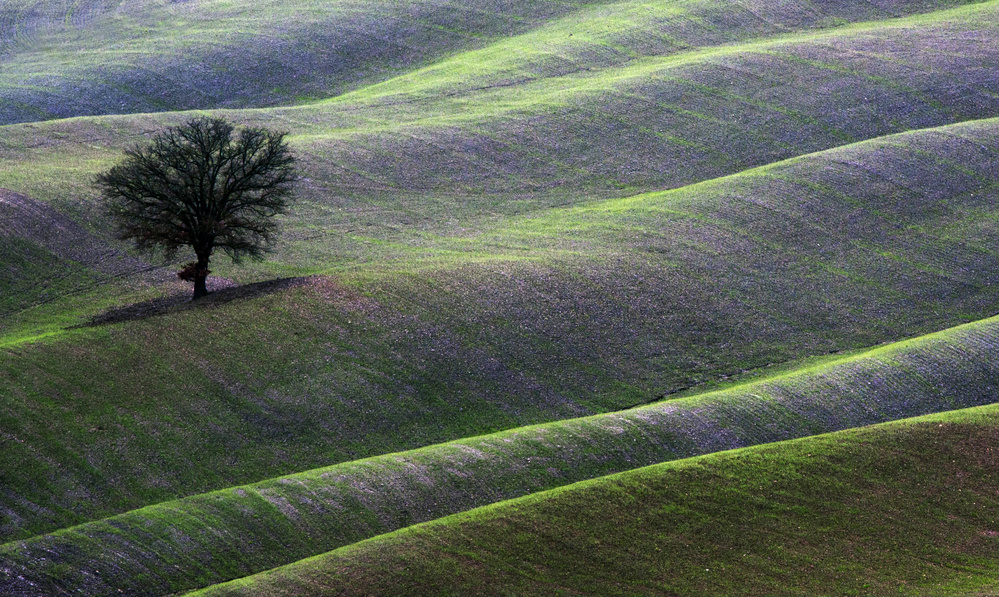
206	539
576	311
908	505
533	244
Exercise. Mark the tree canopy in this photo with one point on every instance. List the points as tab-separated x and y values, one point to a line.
205	186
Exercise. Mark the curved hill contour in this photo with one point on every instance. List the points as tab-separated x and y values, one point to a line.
409	155
655	122
910	504
578	209
61	59
206	539
55	254
589	310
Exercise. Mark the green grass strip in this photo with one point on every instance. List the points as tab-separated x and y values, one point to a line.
210	538
903	508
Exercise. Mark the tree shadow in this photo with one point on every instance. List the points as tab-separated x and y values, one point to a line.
183	302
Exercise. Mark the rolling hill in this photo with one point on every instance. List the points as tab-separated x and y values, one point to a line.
385	166
650	230
62	59
906	507
205	539
321	371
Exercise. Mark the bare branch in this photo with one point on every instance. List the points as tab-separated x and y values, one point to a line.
199	185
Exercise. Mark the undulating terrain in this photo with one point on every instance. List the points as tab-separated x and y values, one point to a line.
549	264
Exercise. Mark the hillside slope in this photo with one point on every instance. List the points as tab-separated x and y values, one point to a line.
61	59
608	306
483	244
395	171
901	508
409	156
200	540
49	257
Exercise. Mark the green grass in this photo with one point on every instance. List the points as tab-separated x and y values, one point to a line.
56	274
389	182
32	274
205	539
610	305
654	121
95	57
512	229
901	508
83	58
395	173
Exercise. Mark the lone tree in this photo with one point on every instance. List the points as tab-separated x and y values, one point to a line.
200	185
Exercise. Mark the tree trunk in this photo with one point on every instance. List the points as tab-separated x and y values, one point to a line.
200	277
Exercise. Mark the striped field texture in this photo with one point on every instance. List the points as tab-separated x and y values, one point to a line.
900	508
206	539
581	311
60	59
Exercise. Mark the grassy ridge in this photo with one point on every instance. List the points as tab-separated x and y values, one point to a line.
456	302
395	171
902	508
205	539
598	42
65	59
654	122
50	258
724	275
632	300
412	156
